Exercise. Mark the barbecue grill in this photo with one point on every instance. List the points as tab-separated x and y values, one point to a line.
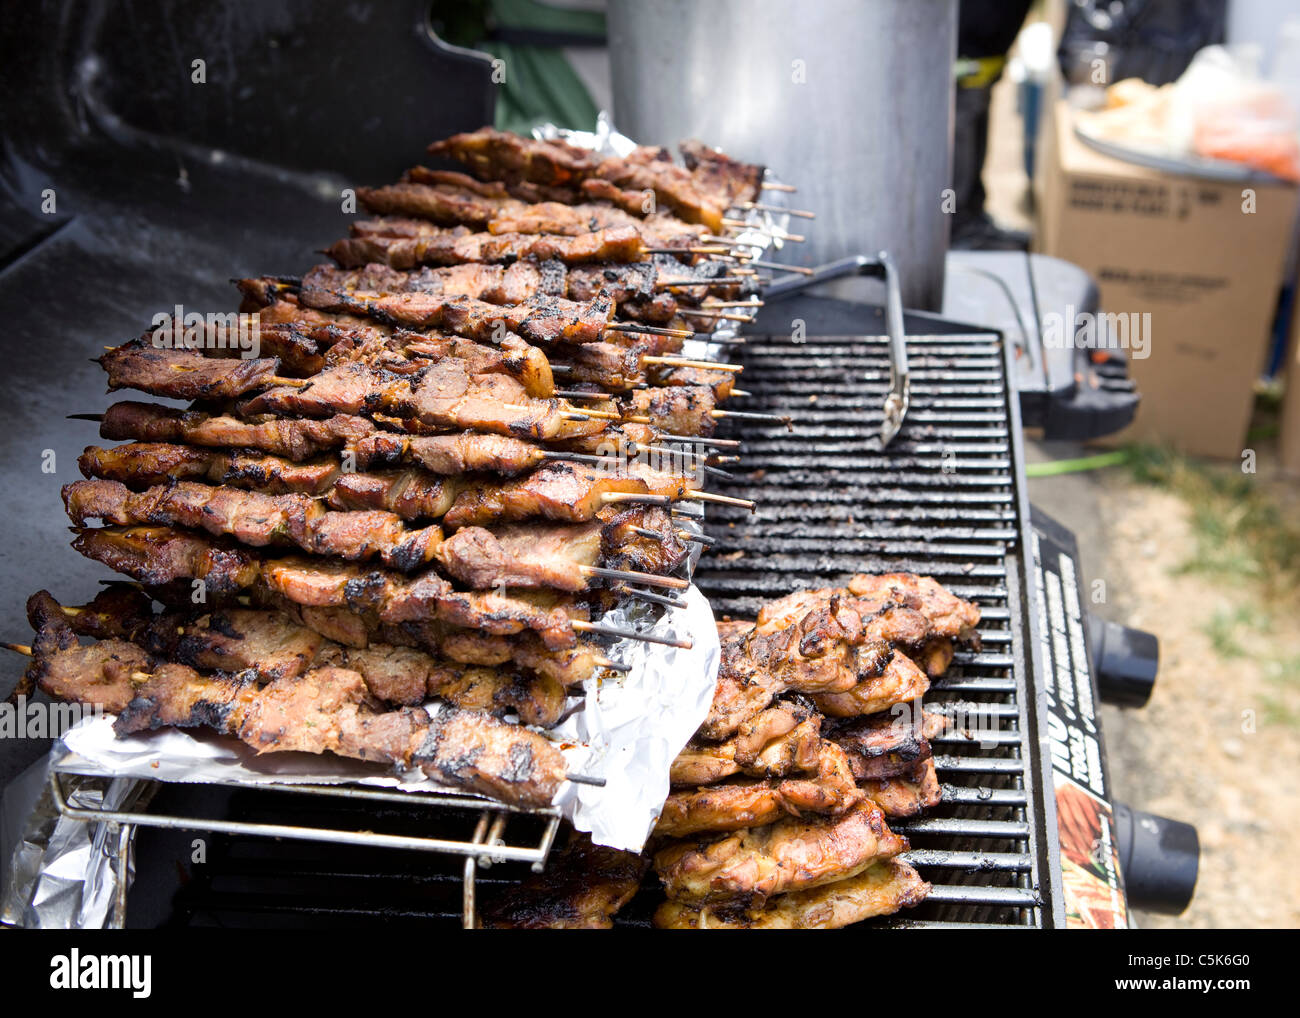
947	498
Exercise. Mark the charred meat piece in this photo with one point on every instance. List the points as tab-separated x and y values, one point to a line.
881	889
498	155
444	395
144	464
257	519
582	888
158	555
541	320
184	374
900	681
888	744
399	248
790	855
781	740
733	805
324	710
297	440
716	173
907	794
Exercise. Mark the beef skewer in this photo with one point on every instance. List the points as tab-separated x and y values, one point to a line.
117	611
561	557
303	439
492	154
271	646
565	488
160	555
409	244
325	710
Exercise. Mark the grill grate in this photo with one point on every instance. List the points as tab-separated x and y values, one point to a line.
944	501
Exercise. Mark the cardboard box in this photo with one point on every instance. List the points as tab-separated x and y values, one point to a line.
1184	251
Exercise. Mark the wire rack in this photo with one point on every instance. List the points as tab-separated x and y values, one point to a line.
485	822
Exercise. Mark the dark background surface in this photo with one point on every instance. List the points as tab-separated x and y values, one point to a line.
165	189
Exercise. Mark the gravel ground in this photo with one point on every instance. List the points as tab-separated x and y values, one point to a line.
1217	745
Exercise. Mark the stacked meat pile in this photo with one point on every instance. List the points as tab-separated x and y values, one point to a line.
391	533
779	814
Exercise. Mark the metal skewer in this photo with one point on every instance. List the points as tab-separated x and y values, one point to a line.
671	582
630	634
653	598
759	206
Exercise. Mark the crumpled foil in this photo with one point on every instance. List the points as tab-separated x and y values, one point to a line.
63	873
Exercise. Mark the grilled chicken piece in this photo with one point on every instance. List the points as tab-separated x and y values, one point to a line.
411	494
465	452
888	744
881	889
735	805
790	855
905	795
324	710
679	410
184	374
828	652
157	556
582	888
900	681
258	520
559	491
949	616
781	740
401	248
297	440
144	464
567	666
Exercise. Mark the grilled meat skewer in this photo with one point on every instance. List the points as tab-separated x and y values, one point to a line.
430	245
447	205
258	520
324	710
272	647
561	557
160	555
492	154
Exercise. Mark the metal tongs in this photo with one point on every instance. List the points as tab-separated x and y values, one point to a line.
883	267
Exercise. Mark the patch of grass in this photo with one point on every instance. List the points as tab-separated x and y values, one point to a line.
1225	629
1241	532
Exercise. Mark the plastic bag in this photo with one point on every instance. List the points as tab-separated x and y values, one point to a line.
1221	109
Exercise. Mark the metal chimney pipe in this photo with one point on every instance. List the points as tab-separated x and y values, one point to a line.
850	101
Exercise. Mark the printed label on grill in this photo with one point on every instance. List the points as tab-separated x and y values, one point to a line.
1090	875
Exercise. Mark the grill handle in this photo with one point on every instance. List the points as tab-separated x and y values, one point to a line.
882	267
